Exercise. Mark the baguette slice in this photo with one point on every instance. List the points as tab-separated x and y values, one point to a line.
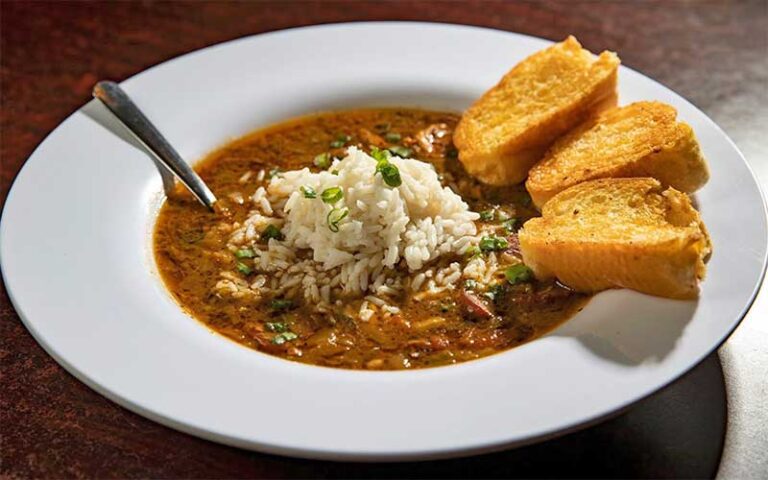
509	128
640	140
619	232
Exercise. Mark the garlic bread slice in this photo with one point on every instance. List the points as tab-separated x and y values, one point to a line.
619	233
642	139
508	129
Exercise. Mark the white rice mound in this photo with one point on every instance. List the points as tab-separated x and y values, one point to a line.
392	238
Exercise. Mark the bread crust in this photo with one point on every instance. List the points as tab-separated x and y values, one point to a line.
504	133
619	233
642	139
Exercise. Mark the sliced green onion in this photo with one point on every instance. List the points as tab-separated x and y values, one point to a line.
487	215
470	284
382	127
308	191
271	232
323	160
281	338
473	251
380	155
393	137
281	304
340	141
509	225
334	217
490	244
278	327
518	273
400	151
390	173
446	307
525	198
493	292
275	172
244	269
245	253
332	195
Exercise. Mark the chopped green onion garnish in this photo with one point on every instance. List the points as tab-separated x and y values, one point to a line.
275	172
334	217
487	215
281	338
244	269
470	284
340	141
380	155
308	191
509	225
332	195
525	199
518	273
446	307
490	244
245	253
278	327
472	251
393	137
400	151
390	173
334	172
493	292
271	232
281	304
323	160
382	127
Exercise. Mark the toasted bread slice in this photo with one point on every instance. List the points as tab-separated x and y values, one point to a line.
509	128
619	232
640	140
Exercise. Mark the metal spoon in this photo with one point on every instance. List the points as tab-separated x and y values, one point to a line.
170	162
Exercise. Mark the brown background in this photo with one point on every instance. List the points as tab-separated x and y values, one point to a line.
713	53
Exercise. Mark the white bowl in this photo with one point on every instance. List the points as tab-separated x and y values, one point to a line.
75	242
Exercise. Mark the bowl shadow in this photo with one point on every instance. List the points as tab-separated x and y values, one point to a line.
676	433
629	328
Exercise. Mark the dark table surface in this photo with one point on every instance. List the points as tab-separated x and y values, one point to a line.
51	425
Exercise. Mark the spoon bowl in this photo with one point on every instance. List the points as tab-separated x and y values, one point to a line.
169	162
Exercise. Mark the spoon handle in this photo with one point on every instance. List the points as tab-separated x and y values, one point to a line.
118	102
